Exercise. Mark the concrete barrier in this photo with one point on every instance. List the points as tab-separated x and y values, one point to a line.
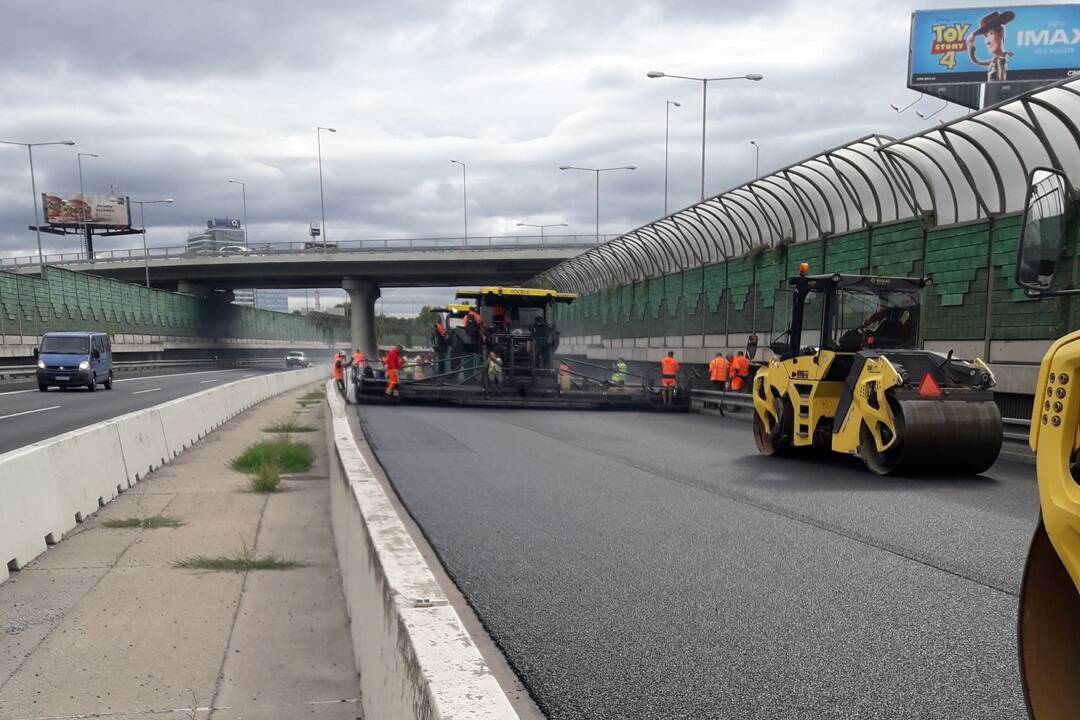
414	656
47	488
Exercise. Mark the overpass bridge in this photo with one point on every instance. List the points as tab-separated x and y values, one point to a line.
360	267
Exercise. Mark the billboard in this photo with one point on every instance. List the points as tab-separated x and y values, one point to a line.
994	44
93	210
227	223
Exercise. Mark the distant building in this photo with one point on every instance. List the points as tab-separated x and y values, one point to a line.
276	300
219	233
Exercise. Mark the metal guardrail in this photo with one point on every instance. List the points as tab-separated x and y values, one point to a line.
22	372
493	242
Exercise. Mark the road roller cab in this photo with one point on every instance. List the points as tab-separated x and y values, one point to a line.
847	374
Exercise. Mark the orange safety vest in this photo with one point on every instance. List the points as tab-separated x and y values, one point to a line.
441	330
669	367
741	365
358	358
718	369
339	371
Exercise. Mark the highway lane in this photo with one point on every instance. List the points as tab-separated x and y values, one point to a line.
28	416
635	565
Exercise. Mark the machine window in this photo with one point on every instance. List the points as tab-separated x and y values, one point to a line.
871	320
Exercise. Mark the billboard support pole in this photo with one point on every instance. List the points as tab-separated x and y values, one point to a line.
89	242
37	229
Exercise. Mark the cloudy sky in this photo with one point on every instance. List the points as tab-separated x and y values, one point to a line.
178	97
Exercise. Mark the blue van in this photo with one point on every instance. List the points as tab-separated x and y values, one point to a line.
74	359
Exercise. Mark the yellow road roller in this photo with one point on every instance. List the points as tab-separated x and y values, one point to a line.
1048	628
847	374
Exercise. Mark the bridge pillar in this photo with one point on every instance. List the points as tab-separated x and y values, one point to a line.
362	297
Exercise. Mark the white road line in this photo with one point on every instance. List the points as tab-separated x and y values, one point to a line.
120	380
203	382
28	412
140	392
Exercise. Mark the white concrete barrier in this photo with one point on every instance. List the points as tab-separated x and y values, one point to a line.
414	656
48	487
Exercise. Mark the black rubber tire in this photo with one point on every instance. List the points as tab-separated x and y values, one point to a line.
43	388
778	442
108	381
63	388
1048	633
92	385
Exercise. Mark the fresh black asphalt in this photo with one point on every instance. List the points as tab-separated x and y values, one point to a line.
28	416
636	565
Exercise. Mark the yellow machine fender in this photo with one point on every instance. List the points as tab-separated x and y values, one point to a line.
769	387
870	409
1049	617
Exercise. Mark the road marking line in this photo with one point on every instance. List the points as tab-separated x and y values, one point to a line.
28	412
140	392
157	377
203	382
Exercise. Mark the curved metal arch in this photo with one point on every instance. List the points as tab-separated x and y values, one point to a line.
613	264
699	237
999	184
1062	118
699	210
848	186
656	263
897	157
631	252
841	194
742	229
663	253
768	213
788	173
940	168
808	218
900	178
688	252
731	198
764	187
660	243
962	166
835	156
875	162
1018	156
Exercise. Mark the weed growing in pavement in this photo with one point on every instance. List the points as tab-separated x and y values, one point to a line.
282	454
243	561
145	523
313	396
266	479
288	426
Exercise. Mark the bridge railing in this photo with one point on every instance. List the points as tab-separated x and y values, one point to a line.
314	248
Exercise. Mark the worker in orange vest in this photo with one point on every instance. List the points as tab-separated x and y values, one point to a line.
740	371
718	371
669	371
564	376
357	363
338	371
393	364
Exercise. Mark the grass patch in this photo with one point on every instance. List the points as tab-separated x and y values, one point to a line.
288	426
241	562
313	396
283	455
266	479
145	523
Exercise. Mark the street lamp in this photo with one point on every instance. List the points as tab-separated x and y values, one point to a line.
704	96
542	226
243	192
757	159
598	171
464	200
33	189
322	201
82	193
667	127
142	224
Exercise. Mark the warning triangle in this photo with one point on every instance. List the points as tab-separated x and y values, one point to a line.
929	388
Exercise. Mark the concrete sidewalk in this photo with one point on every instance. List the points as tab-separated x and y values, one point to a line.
104	626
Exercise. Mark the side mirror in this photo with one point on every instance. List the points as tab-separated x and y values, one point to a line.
751	345
36	353
1042	231
96	354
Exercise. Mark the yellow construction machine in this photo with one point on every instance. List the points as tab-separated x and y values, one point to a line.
847	374
1049	616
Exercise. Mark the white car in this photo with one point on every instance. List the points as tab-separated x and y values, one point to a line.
296	359
234	250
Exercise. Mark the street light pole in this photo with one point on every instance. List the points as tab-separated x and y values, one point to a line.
464	200
322	201
704	99
757	159
243	192
541	226
142	224
33	189
597	171
667	128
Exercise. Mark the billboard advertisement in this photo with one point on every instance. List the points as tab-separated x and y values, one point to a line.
227	223
93	210
994	44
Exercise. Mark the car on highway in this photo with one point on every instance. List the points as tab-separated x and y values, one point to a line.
74	359
234	250
296	359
